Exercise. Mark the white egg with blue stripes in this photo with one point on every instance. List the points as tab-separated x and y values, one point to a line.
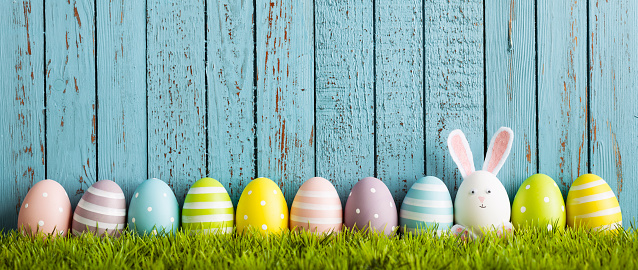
427	207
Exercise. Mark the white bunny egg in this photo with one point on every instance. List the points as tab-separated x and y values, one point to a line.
481	203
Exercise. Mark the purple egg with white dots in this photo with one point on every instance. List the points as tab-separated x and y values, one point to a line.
370	207
101	210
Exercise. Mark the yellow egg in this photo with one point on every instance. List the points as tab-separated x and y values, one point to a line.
592	204
262	206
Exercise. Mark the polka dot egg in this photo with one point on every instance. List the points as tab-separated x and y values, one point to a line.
592	204
370	207
427	205
153	209
262	207
102	209
207	208
46	209
316	207
539	202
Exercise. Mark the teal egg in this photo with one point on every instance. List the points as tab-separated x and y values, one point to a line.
427	205
154	209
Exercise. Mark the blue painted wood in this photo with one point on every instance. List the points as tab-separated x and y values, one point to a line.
614	114
71	133
231	133
429	80
176	93
454	83
285	93
121	82
345	94
511	85
399	94
562	90
21	105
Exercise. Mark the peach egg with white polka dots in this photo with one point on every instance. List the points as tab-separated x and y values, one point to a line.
262	207
539	202
46	209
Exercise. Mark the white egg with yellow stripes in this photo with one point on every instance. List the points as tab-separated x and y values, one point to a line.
426	206
592	204
207	208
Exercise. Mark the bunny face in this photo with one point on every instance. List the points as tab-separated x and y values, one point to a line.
481	201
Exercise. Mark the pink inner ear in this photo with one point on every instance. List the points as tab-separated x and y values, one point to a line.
459	148
500	145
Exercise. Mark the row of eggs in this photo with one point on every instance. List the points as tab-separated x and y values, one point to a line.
316	207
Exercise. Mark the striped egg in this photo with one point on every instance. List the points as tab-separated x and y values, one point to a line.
316	207
102	209
207	208
427	205
592	204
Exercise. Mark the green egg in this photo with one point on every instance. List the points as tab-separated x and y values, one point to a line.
539	202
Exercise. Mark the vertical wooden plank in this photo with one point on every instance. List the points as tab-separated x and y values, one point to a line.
21	106
399	92
121	79
176	93
562	90
454	83
345	101
614	114
285	92
511	85
231	118
70	94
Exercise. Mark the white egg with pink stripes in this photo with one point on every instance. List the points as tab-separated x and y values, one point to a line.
316	207
101	210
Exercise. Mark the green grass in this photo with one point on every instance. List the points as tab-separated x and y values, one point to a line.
529	248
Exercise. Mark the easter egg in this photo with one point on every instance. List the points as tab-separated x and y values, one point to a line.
316	207
427	205
102	209
46	209
592	204
539	202
262	207
207	208
370	207
153	209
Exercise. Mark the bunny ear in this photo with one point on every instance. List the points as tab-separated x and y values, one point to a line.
461	153
499	150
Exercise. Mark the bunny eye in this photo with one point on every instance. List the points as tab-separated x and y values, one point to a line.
473	191
489	191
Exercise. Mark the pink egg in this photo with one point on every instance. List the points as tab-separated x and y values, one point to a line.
316	207
45	210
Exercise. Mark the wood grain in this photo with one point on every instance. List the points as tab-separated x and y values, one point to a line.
70	95
231	133
562	90
614	114
511	85
22	155
454	83
121	82
285	93
399	94
345	94
176	93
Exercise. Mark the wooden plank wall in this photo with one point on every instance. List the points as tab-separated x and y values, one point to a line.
290	89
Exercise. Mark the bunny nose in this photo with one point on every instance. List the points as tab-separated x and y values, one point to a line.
481	199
